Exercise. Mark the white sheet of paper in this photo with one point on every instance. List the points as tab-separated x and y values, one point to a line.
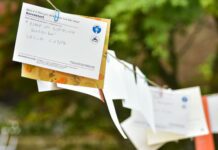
114	87
114	83
73	44
170	110
138	119
145	99
86	90
114	117
131	88
213	112
44	86
138	93
137	135
197	125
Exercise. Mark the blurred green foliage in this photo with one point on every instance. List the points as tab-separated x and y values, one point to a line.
142	33
210	6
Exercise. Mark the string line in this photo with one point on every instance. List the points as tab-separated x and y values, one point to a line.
52	5
148	80
138	75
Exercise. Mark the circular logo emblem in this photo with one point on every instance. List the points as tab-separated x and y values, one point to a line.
96	29
185	99
95	39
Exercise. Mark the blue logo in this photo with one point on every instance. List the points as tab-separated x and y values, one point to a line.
184	99
96	29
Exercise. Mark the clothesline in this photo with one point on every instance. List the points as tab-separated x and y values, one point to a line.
132	70
148	80
53	5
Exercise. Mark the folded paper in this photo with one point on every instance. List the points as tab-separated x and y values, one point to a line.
130	87
197	124
145	100
44	86
137	134
114	78
86	90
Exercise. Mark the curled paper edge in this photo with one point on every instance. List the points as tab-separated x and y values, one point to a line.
114	117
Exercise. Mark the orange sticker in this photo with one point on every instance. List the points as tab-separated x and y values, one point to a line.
205	142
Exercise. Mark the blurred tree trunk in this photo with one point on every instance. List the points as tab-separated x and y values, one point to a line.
214	78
